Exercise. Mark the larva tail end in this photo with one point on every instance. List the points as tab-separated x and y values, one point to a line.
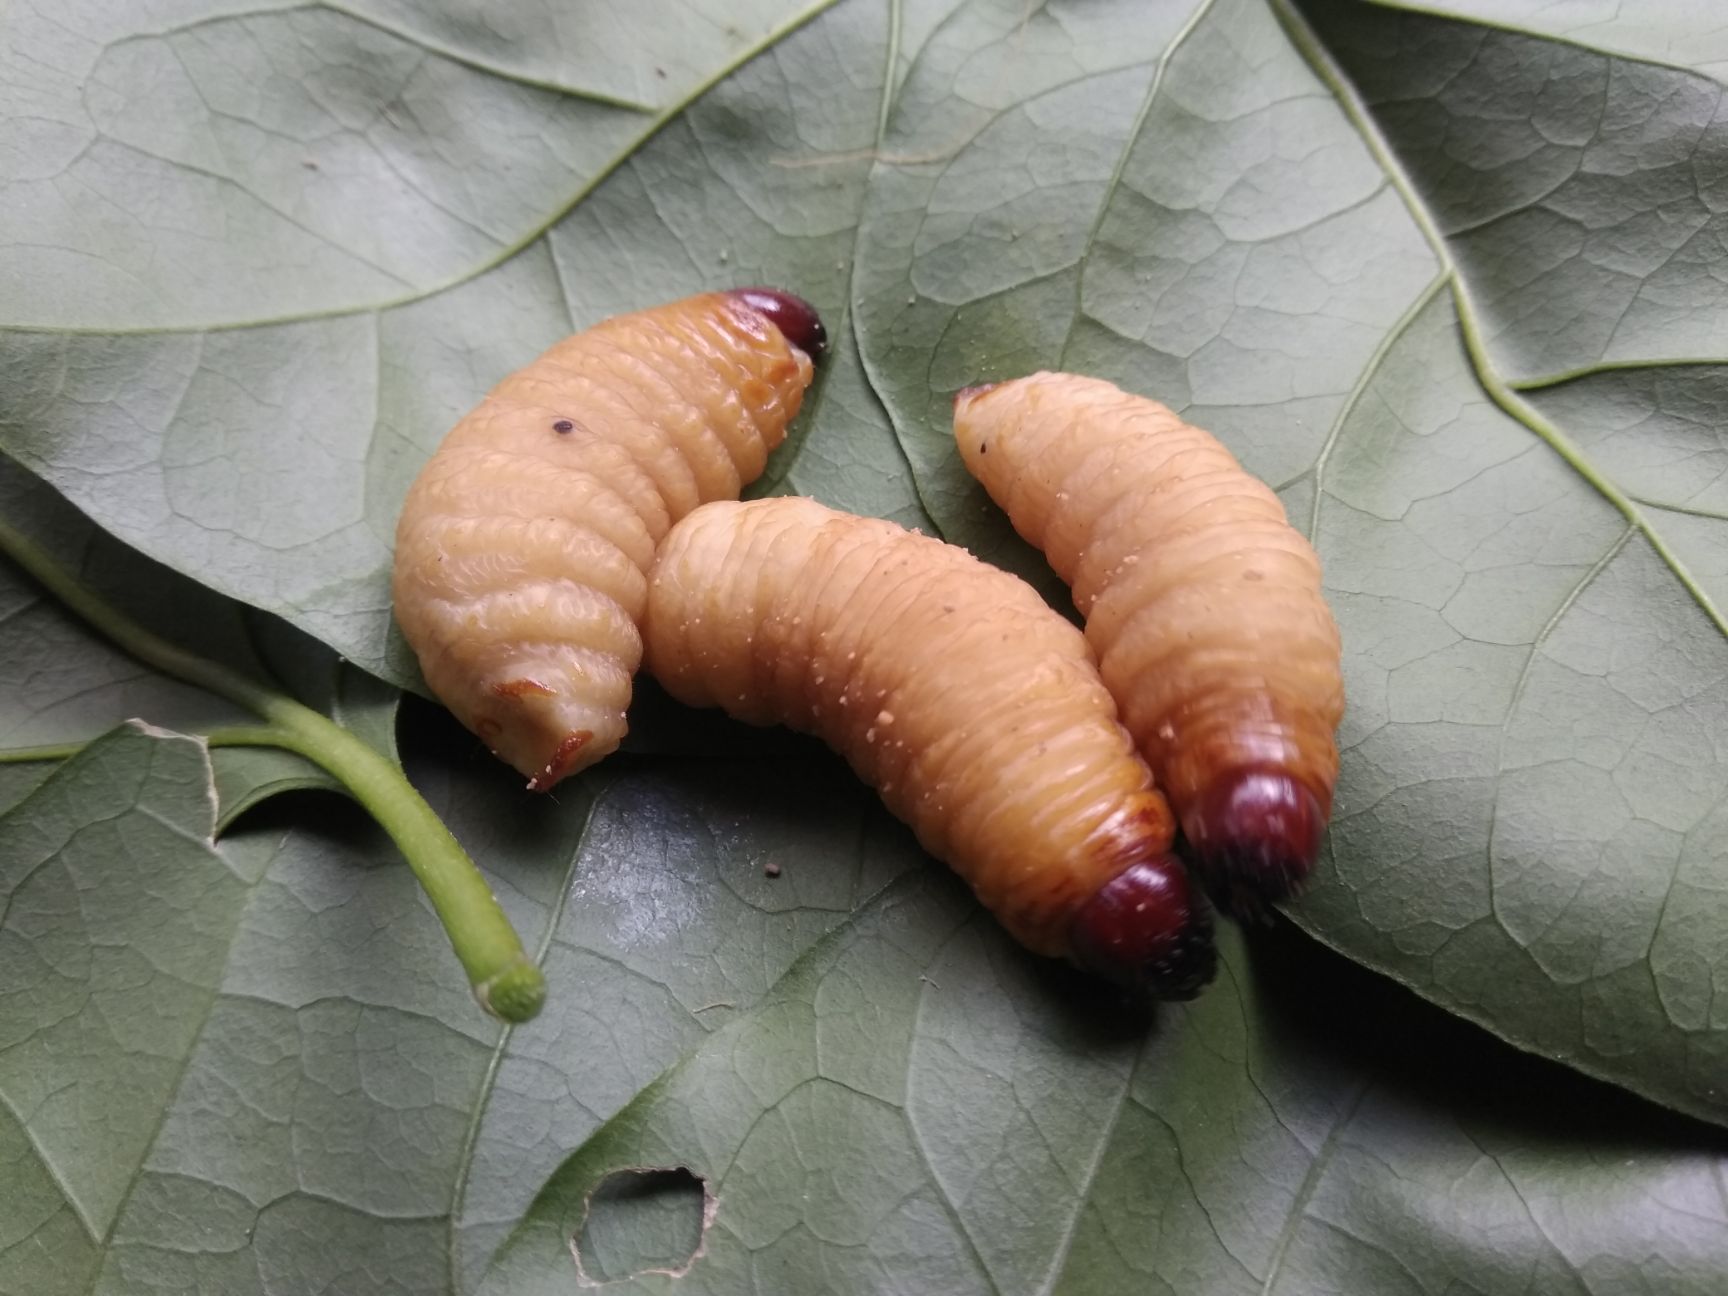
566	759
793	316
1146	929
1254	836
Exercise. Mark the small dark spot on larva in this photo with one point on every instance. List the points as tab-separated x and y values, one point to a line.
983	447
563	426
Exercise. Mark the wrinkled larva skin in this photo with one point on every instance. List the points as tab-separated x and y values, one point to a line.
1203	604
951	688
523	548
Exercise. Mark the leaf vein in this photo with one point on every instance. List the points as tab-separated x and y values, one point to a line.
1132	138
1498	390
1310	1183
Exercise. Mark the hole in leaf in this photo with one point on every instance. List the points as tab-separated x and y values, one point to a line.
643	1220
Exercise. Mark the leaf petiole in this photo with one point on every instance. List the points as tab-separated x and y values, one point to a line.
47	752
506	981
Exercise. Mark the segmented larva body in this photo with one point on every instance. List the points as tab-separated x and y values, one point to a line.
1202	602
952	689
523	548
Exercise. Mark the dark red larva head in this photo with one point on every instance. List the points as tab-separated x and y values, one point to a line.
1148	930
1254	834
793	316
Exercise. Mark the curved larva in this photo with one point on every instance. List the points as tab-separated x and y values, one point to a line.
523	547
952	689
1203	604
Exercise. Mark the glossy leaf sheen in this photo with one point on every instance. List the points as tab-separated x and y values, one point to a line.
256	263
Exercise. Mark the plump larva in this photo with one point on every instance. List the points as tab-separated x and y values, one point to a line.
1202	602
523	547
952	689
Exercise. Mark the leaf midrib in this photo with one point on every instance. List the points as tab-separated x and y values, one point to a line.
1502	393
782	473
522	243
1153	86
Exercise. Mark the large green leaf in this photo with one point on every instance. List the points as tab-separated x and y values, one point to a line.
1271	220
112	931
916	1110
189	164
1683	33
252	1068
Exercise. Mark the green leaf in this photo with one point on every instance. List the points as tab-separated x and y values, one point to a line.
150	1003
311	1085
880	1088
1274	226
66	684
919	1108
1272	217
1681	33
113	930
201	165
1580	194
666	925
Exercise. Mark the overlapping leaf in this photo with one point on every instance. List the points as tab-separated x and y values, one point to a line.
1271	220
1302	1128
1680	33
330	1094
1366	246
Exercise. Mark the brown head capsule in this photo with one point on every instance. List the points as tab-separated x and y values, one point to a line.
522	554
1202	602
793	316
956	692
1255	833
1145	930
